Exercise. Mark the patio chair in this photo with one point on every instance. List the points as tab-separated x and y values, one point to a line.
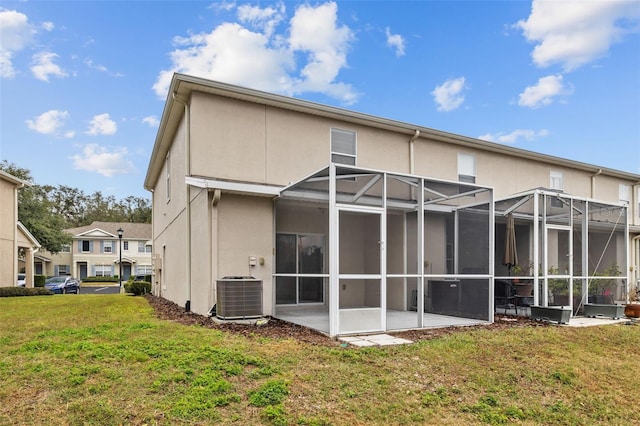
504	295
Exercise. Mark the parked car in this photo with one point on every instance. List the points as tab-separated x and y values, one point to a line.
22	280
62	284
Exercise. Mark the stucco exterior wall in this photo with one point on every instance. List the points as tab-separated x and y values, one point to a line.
202	285
8	222
245	228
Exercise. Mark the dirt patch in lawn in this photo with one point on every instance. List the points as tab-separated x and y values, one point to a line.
279	329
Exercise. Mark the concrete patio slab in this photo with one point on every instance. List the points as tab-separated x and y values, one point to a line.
374	340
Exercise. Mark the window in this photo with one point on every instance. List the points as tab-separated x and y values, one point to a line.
556	180
466	168
125	245
66	248
103	270
107	246
143	247
167	166
343	146
85	246
144	270
624	193
63	270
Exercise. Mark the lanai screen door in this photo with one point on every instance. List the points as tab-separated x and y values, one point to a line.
360	270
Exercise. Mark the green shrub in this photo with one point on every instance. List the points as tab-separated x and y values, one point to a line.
22	291
38	280
138	288
145	278
100	280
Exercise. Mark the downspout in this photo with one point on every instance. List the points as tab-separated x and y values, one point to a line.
187	138
412	162
593	183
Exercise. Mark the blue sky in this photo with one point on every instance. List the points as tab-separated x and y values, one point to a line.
83	83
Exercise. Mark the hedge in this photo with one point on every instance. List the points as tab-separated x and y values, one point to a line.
100	279
22	291
138	288
38	280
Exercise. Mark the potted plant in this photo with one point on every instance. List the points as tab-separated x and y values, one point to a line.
601	290
524	288
632	309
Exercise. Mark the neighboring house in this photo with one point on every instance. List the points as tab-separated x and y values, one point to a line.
15	239
356	223
95	251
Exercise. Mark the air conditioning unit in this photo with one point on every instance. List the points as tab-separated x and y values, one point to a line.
239	298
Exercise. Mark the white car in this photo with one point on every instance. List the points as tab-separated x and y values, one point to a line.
22	280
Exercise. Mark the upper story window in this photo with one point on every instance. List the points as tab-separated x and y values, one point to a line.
168	176
65	248
125	246
624	193
85	246
467	168
143	247
556	180
343	146
107	247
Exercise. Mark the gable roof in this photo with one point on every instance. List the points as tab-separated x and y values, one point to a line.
183	85
132	231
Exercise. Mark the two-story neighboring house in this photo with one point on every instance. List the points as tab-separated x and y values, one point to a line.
356	223
14	236
95	251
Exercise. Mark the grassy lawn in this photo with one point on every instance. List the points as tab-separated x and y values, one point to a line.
108	361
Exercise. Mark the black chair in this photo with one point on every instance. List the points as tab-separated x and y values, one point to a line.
504	295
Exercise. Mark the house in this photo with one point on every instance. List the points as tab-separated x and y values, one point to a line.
15	239
95	251
355	223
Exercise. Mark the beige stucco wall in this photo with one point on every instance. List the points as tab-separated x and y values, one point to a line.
8	222
241	141
245	228
202	286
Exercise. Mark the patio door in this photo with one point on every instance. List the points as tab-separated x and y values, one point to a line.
361	270
558	260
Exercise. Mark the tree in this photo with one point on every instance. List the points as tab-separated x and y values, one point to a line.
47	210
36	212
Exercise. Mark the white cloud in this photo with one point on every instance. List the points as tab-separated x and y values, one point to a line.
98	159
395	41
448	96
49	123
44	67
261	59
543	92
151	120
515	136
266	19
574	33
102	124
48	26
15	34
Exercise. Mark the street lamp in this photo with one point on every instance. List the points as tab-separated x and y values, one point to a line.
120	232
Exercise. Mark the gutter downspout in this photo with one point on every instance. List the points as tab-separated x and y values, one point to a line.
593	183
412	160
187	138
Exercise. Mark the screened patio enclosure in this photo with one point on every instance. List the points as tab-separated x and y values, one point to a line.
572	250
361	251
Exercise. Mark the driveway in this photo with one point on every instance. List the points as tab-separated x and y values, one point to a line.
100	290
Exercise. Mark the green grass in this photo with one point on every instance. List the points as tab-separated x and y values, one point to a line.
108	361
